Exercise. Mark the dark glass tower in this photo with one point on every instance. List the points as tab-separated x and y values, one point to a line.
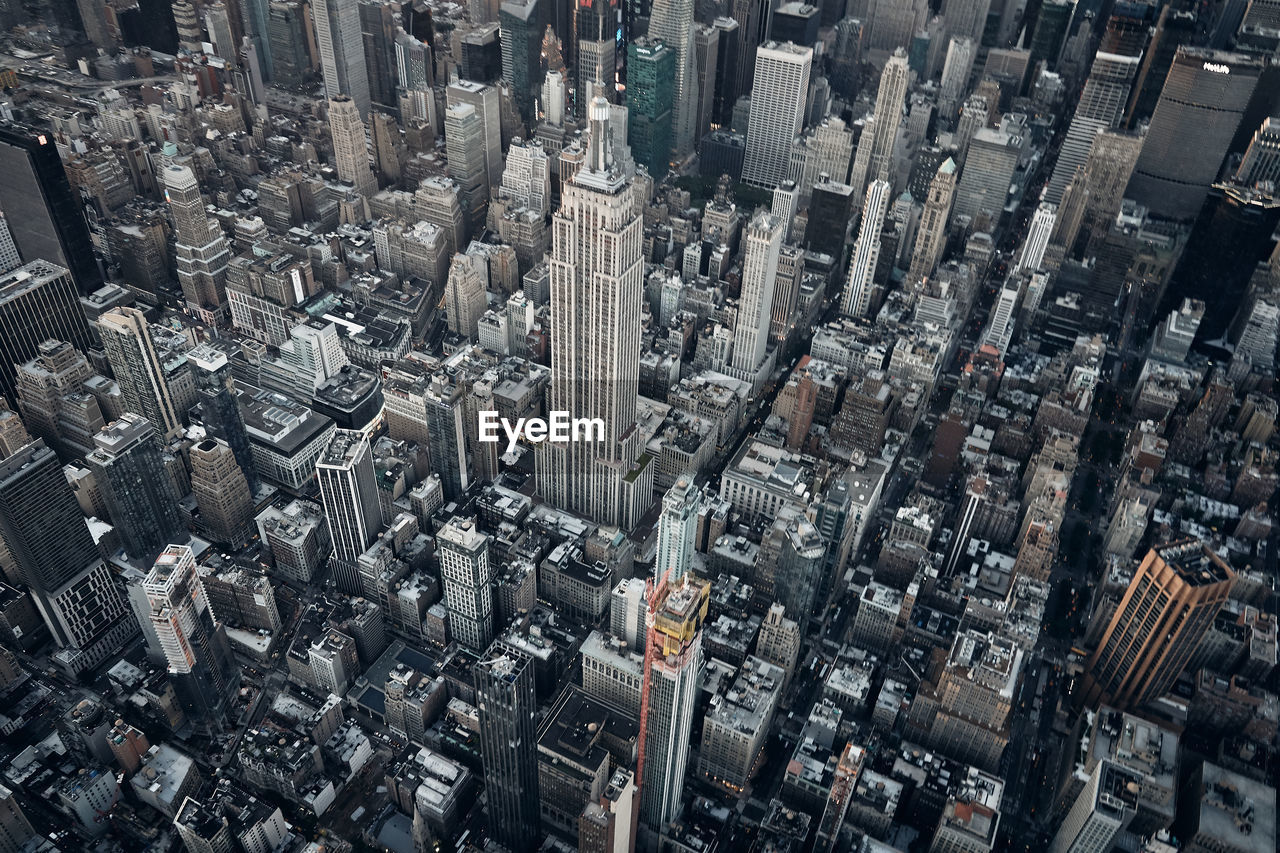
41	523
41	208
509	745
219	411
38	302
1232	235
1050	31
139	492
1173	30
649	99
521	40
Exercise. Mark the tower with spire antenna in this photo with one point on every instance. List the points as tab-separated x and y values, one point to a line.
596	294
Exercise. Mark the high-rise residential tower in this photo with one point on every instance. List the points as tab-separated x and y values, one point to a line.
340	43
201	250
205	676
778	94
349	493
596	293
467	578
672	668
677	529
507	705
44	531
126	338
1169	605
763	241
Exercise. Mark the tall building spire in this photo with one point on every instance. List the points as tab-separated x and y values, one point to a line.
599	143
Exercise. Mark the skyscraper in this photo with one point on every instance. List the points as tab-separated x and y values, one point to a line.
778	93
672	668
465	147
1037	240
1104	807
595	50
876	164
38	302
341	45
205	676
350	148
1233	233
1050	30
126	338
222	493
955	78
486	101
866	252
521	53
1205	96
1105	92
219	412
671	21
286	41
1169	605
140	495
706	54
44	531
989	165
966	18
444	401
931	237
507	708
349	494
380	20
1261	161
9	257
467	577
763	240
677	527
41	208
200	248
725	90
596	292
255	21
651	69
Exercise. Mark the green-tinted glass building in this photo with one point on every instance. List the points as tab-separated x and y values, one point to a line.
651	73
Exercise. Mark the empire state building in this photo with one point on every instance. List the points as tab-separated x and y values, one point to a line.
596	294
